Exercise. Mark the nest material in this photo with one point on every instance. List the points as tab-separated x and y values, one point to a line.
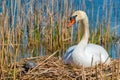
55	69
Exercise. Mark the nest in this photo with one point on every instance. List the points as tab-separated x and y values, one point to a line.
54	69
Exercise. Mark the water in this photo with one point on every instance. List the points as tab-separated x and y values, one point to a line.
114	50
96	11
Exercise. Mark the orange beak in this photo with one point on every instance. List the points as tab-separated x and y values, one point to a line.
72	21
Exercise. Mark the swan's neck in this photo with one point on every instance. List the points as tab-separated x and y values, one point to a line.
86	34
84	41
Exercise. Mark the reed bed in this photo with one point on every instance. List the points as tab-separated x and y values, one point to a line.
39	27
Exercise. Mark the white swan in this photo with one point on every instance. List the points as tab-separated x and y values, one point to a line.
85	54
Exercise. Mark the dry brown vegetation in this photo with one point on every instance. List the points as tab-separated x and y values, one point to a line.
54	69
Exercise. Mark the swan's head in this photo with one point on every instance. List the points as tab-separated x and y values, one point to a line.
77	16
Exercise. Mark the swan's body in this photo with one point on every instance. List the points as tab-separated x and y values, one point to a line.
85	54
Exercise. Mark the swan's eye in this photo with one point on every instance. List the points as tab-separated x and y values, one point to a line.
73	17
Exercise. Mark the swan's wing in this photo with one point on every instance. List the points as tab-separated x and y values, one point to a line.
67	56
97	52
